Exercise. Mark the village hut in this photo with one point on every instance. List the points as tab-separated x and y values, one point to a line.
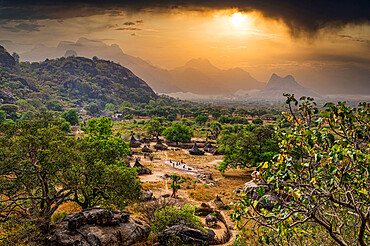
212	137
208	147
145	149
160	146
134	143
141	169
195	150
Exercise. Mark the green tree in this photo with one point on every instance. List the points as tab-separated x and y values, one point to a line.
92	109
109	107
154	127
71	116
36	164
216	128
54	105
29	115
16	57
174	185
178	133
103	155
201	119
2	116
9	108
244	148
321	175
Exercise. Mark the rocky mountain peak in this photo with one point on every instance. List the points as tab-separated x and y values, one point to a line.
6	60
278	82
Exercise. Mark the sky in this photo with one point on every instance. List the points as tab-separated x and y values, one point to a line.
316	41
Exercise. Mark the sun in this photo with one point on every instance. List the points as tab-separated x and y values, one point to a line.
237	19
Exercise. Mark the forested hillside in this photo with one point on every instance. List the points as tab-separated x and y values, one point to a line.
69	82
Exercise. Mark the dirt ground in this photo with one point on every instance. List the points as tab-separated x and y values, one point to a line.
203	191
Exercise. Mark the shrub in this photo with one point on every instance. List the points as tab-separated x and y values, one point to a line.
149	209
257	121
171	216
58	215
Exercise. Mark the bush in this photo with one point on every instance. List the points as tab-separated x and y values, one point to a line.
257	121
58	215
171	216
54	106
149	209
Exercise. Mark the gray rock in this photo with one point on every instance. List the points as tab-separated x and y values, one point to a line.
97	227
211	220
146	195
251	186
186	234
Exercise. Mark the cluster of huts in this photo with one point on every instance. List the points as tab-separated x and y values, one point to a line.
137	143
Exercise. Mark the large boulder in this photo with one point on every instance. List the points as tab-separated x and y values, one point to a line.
186	234
97	227
269	199
211	220
251	186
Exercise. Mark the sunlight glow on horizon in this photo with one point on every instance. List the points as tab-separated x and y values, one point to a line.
237	19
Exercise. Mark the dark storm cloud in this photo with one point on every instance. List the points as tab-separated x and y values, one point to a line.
129	23
349	37
128	29
301	16
23	27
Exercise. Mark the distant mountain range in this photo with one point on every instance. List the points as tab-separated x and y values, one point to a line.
277	86
197	76
200	76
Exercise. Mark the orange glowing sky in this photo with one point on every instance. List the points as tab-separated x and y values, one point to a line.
228	38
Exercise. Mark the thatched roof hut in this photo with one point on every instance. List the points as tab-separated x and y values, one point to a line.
141	169
212	137
208	147
134	143
145	149
160	146
195	150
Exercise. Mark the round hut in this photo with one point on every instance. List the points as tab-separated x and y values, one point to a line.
145	149
141	168
208	147
159	145
134	143
195	150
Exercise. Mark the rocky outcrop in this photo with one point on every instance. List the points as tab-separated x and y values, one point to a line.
70	53
6	60
186	234
97	227
211	220
277	86
219	203
6	97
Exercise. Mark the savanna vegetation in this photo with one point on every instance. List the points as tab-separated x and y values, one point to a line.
64	126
